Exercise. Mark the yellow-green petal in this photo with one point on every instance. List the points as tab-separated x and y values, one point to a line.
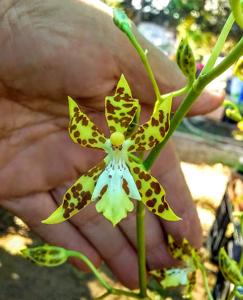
154	131
120	109
77	196
83	131
152	193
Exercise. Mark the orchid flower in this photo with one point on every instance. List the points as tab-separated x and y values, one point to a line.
119	177
179	276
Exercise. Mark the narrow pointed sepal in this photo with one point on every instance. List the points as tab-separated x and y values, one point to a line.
121	109
77	196
154	131
152	193
82	130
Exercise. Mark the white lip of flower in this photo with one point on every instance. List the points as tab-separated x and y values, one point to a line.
115	186
115	172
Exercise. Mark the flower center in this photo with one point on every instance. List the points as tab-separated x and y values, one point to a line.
117	139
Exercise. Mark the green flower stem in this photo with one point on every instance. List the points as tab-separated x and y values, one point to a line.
241	256
141	249
205	281
82	257
109	289
192	95
103	296
144	58
179	92
219	44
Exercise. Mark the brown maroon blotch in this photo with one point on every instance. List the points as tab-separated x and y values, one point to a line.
151	203
167	123
138	184
136	170
156	187
148	193
85	121
125	186
161	116
161	208
120	90
103	190
76	134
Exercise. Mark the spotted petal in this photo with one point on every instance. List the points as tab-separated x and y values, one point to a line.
154	131
121	108
82	130
77	196
152	193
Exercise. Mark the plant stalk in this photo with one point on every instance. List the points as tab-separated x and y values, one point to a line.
219	44
141	249
192	95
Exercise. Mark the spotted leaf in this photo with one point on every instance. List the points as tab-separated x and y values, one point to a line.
77	196
82	130
152	193
121	108
154	131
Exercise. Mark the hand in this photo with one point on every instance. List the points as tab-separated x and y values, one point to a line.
51	49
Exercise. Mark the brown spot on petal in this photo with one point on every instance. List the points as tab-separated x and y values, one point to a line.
151	203
76	134
136	170
156	187
148	193
138	184
125	186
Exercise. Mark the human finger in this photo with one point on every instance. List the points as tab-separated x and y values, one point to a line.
179	198
157	254
110	242
33	209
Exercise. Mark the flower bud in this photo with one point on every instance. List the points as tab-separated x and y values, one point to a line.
185	59
232	111
121	20
49	256
229	268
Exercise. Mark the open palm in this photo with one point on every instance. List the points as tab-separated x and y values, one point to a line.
51	49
